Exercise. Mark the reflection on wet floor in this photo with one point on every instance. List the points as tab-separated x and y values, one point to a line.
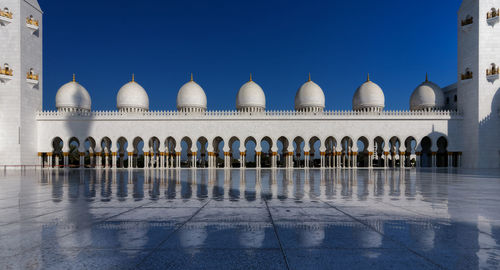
250	219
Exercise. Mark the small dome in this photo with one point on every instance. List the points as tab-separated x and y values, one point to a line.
251	96
310	97
427	95
369	96
132	97
73	97
191	98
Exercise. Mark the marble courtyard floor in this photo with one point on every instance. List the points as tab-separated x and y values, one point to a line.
232	219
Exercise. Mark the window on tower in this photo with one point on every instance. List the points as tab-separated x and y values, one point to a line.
493	13
6	70
6	13
467	75
493	70
31	21
31	75
468	20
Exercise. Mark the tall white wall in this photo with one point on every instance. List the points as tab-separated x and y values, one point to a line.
478	48
19	101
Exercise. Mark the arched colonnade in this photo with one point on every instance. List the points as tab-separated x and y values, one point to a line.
234	152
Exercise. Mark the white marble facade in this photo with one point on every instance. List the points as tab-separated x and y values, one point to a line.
451	127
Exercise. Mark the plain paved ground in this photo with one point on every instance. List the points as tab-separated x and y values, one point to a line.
298	219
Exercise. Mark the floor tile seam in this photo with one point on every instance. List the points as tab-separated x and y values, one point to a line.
276	234
24	204
176	248
24	220
406	209
171	234
79	229
390	238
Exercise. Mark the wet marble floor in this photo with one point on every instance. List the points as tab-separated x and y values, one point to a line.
251	219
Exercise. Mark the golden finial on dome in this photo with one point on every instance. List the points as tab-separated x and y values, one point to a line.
192	77
250	77
426	77
133	77
309	77
74	77
368	77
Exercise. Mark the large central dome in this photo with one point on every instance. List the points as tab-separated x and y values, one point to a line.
191	98
310	98
251	97
427	96
368	97
73	97
132	98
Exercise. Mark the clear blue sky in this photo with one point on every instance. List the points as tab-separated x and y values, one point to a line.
221	42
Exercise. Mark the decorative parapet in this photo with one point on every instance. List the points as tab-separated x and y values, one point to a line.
467	76
271	115
32	24
32	78
492	73
468	21
5	16
6	74
494	13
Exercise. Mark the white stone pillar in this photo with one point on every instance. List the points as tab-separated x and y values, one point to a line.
242	159
82	159
402	159
450	159
355	160
178	159
49	158
114	160
130	159
257	159
434	161
106	159
418	159
274	160
57	161
193	157
386	159
40	159
339	160
322	160
66	159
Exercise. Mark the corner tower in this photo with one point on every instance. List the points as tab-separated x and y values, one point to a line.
21	80
478	81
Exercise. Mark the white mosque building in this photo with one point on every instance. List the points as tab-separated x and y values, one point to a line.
454	126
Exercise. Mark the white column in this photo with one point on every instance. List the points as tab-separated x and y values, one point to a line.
434	161
40	159
386	161
418	159
65	159
49	158
402	159
450	159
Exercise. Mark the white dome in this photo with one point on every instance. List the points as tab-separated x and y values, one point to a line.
191	96
73	97
310	95
132	96
251	95
428	95
368	96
